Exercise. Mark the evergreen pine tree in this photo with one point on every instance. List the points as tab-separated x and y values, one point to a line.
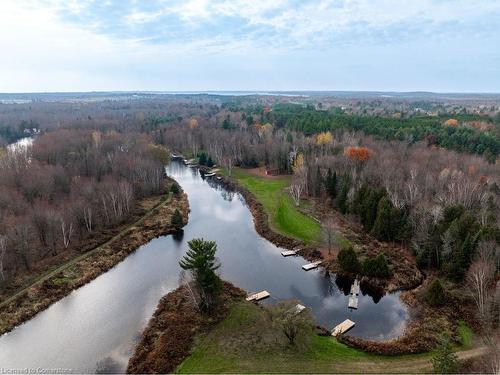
200	261
435	294
202	158
382	227
174	188
319	182
331	184
342	197
348	260
445	361
177	221
377	267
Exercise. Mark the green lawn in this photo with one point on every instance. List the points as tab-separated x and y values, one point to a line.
283	215
244	343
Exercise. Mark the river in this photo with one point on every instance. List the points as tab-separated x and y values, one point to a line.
97	326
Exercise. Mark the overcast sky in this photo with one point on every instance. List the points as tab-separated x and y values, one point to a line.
400	45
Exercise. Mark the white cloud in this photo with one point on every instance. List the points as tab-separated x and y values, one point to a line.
242	44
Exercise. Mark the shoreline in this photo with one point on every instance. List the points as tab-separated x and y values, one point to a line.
172	330
311	253
418	337
57	284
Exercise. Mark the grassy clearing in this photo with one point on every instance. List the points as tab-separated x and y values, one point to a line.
246	342
283	215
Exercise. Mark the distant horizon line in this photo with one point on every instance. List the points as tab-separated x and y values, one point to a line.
257	92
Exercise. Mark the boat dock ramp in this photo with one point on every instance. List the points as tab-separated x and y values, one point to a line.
343	327
288	253
311	266
258	296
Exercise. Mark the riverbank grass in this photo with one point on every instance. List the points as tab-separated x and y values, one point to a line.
247	342
283	215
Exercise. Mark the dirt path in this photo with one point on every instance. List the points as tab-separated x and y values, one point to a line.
261	172
407	365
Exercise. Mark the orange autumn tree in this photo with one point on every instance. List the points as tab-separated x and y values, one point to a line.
451	122
361	154
193	123
263	130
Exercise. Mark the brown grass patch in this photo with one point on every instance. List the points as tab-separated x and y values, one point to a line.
170	334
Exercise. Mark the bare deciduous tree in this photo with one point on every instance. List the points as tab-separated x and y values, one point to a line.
329	233
481	281
3	252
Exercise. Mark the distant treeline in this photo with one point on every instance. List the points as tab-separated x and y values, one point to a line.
418	128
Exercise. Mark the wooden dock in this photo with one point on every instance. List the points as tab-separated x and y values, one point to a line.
297	309
343	327
353	302
311	266
258	296
288	253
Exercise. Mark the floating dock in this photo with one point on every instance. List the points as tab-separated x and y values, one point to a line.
297	309
353	302
311	266
288	253
355	287
343	327
258	296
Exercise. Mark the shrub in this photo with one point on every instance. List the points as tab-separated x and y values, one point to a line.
435	294
445	361
175	188
348	260
177	221
295	324
377	267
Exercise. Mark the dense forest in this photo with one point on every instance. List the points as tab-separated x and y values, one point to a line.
417	128
443	204
382	172
69	186
422	185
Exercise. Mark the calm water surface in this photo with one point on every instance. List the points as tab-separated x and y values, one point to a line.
96	327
